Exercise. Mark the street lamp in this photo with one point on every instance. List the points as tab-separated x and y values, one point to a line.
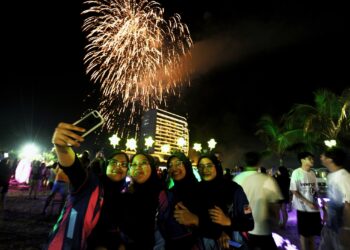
131	144
197	147
165	148
211	144
114	140
149	142
181	142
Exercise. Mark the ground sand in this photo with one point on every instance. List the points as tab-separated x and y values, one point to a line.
21	224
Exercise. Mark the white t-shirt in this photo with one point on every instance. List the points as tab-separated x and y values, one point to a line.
305	182
338	193
261	190
339	186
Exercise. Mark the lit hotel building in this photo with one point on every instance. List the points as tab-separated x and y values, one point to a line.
165	128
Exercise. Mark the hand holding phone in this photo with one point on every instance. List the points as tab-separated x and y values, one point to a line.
90	122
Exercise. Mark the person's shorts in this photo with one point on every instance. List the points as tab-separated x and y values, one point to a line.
309	223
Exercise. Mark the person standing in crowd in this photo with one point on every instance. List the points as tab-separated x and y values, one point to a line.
224	207
264	196
45	177
184	192
60	186
283	180
140	204
35	179
93	207
303	185
335	234
51	175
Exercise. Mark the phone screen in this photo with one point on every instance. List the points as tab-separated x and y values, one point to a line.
234	243
90	122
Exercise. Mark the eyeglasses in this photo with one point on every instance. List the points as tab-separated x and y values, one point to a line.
141	164
207	166
115	163
176	164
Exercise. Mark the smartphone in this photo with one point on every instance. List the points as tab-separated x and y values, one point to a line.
90	122
234	244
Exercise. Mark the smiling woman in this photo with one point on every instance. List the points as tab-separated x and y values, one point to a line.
140	169
140	204
117	167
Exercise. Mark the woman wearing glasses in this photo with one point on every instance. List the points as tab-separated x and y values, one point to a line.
141	202
224	205
106	233
183	195
92	213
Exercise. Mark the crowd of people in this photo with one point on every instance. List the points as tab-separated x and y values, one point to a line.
118	202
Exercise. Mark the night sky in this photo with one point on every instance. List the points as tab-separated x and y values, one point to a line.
252	59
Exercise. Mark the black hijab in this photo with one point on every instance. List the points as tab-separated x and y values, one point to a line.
140	207
212	194
185	190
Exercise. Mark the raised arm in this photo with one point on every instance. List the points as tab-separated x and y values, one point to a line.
64	138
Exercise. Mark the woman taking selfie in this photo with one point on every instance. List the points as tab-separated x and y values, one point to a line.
91	215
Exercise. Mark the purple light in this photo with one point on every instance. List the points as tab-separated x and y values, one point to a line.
283	243
321	201
278	239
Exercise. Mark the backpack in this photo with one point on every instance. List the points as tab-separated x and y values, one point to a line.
78	218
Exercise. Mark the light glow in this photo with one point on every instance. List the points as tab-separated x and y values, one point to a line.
330	143
283	243
29	151
165	148
197	147
149	142
23	170
181	142
114	140
131	144
211	144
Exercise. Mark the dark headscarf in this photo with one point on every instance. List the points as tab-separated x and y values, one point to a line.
112	211
113	186
112	189
217	164
153	183
189	177
212	193
178	236
184	189
140	210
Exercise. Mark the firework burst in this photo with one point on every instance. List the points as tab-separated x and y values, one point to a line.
136	55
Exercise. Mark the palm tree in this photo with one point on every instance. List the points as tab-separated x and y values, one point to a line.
278	137
327	118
